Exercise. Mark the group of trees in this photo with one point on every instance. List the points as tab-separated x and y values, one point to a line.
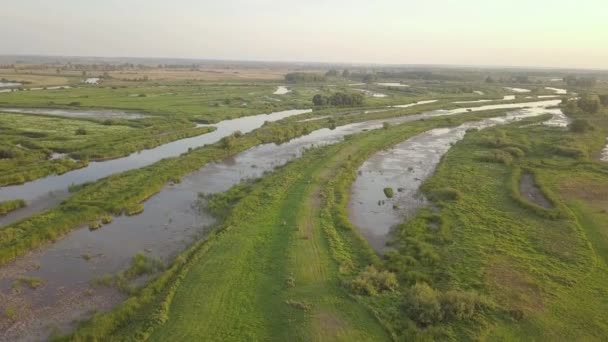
336	73
339	99
296	77
589	103
586	82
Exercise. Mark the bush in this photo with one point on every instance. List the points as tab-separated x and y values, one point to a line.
426	306
370	282
444	194
74	104
389	192
570	152
422	305
81	131
514	151
497	156
580	126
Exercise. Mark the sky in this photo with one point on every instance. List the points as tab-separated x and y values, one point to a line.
540	33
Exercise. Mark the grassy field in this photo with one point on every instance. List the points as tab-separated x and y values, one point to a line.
31	145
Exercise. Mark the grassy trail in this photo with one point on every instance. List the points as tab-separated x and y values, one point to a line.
273	279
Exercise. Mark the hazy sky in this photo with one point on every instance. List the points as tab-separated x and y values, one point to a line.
552	33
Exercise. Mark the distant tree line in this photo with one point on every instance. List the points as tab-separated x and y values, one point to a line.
299	77
339	99
586	82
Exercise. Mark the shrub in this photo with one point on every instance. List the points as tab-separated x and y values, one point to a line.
74	104
580	126
461	305
497	156
389	192
515	151
444	194
371	282
570	152
422	305
386	125
81	131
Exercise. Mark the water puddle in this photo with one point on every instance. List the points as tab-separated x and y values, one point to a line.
518	90
414	104
404	168
392	84
77	113
92	80
604	154
371	93
558	91
530	191
9	84
282	90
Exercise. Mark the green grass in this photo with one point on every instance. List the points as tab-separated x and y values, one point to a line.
8	206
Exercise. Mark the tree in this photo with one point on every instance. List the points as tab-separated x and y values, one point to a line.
332	73
604	100
590	103
369	78
319	100
345	73
489	79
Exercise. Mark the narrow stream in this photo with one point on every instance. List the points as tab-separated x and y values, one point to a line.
404	168
170	222
48	191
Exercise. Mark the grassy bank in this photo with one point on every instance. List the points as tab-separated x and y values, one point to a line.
8	206
488	263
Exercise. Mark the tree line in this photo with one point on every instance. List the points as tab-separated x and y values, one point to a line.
339	99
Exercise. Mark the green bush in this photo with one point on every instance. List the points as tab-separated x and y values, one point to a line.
389	192
580	126
422	305
444	194
370	282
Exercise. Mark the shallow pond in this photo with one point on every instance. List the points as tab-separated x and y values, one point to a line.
404	168
530	191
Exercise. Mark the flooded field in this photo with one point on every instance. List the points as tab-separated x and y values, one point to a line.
77	113
403	169
171	220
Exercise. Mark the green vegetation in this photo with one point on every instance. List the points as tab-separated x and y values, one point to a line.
388	192
8	206
28	143
339	100
490	264
281	263
296	77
